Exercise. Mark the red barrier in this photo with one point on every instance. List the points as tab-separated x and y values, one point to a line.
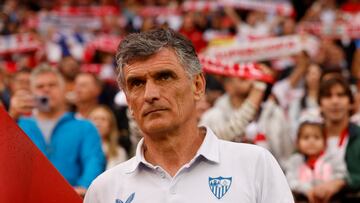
25	173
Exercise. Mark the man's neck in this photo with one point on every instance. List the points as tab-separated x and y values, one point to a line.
335	128
84	108
175	149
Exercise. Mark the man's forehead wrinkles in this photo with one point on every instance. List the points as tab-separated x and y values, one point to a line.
142	71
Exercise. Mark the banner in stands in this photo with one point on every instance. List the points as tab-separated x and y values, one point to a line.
280	8
243	70
89	18
263	49
18	43
104	43
337	30
26	174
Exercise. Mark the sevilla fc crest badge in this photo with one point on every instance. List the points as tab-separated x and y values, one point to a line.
219	186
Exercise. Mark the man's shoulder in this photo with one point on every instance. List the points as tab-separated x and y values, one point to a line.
241	150
114	174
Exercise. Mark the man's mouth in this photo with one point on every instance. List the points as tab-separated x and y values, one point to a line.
153	111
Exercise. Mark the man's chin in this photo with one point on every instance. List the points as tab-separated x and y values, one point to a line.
156	128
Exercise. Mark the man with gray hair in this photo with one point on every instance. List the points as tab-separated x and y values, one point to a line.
177	161
73	146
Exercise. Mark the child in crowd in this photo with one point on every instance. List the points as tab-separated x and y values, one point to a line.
105	122
311	167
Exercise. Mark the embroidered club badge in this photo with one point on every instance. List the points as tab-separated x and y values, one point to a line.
219	186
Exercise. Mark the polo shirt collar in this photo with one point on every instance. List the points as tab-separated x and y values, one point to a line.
209	149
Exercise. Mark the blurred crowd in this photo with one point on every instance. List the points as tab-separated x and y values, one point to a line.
300	100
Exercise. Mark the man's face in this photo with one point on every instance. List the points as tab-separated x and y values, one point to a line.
86	88
160	94
335	106
49	85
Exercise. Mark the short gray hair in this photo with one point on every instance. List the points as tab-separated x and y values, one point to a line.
45	68
139	45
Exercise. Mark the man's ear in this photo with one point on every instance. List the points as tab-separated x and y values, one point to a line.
198	86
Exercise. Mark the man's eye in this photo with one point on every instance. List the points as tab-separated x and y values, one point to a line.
165	76
136	83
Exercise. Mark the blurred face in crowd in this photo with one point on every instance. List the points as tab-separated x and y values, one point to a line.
335	106
252	18
21	81
50	85
312	76
289	26
69	67
311	141
86	88
102	121
237	87
161	94
188	21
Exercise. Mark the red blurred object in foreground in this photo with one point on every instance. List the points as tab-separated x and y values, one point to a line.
25	173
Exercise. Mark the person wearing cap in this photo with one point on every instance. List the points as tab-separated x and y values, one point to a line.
177	161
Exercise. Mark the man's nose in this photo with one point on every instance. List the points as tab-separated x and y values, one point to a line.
152	92
334	99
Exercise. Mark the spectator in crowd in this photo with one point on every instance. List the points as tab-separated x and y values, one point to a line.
20	80
311	166
69	68
343	137
232	113
190	30
255	26
87	90
162	79
286	90
309	94
73	146
105	122
239	105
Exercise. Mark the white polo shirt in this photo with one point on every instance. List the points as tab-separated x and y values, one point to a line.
221	171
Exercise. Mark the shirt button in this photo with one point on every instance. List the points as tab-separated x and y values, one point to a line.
162	175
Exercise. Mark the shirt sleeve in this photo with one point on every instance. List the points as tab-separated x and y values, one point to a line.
271	184
91	155
91	195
